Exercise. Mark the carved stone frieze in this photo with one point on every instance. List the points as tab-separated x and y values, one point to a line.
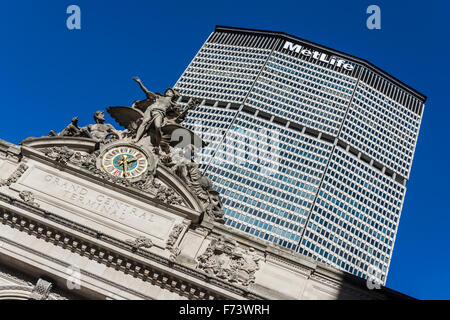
28	197
61	154
141	242
173	237
120	262
226	260
14	176
166	194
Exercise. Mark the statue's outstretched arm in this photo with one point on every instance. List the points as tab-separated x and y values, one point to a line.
148	93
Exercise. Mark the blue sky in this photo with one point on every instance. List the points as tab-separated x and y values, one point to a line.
50	74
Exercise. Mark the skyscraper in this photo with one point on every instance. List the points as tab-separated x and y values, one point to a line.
310	148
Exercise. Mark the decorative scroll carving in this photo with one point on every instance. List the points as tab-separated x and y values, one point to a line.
224	259
28	197
174	253
41	291
140	242
14	176
173	237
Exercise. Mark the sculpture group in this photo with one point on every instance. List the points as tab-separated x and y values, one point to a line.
226	260
155	117
152	123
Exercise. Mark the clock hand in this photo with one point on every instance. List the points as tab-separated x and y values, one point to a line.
124	162
121	161
125	168
128	161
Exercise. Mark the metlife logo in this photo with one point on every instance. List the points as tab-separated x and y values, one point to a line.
334	61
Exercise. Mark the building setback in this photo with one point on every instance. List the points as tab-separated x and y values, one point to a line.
310	148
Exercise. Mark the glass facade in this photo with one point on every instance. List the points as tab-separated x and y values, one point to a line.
302	92
306	154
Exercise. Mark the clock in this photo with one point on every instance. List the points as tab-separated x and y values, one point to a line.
125	162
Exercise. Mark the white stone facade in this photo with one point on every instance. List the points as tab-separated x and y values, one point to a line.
65	233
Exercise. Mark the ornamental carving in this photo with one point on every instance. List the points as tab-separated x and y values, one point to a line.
41	291
28	197
173	237
148	183
178	160
226	260
140	242
61	154
14	176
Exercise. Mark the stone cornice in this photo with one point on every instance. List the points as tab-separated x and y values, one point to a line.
186	281
10	151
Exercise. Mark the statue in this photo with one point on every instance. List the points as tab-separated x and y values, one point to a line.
156	115
72	130
187	171
159	118
100	130
179	160
214	206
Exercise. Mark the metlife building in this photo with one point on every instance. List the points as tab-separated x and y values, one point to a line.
310	148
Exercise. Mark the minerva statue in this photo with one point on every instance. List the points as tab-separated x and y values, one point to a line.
156	117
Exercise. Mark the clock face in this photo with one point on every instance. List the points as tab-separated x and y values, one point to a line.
125	162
